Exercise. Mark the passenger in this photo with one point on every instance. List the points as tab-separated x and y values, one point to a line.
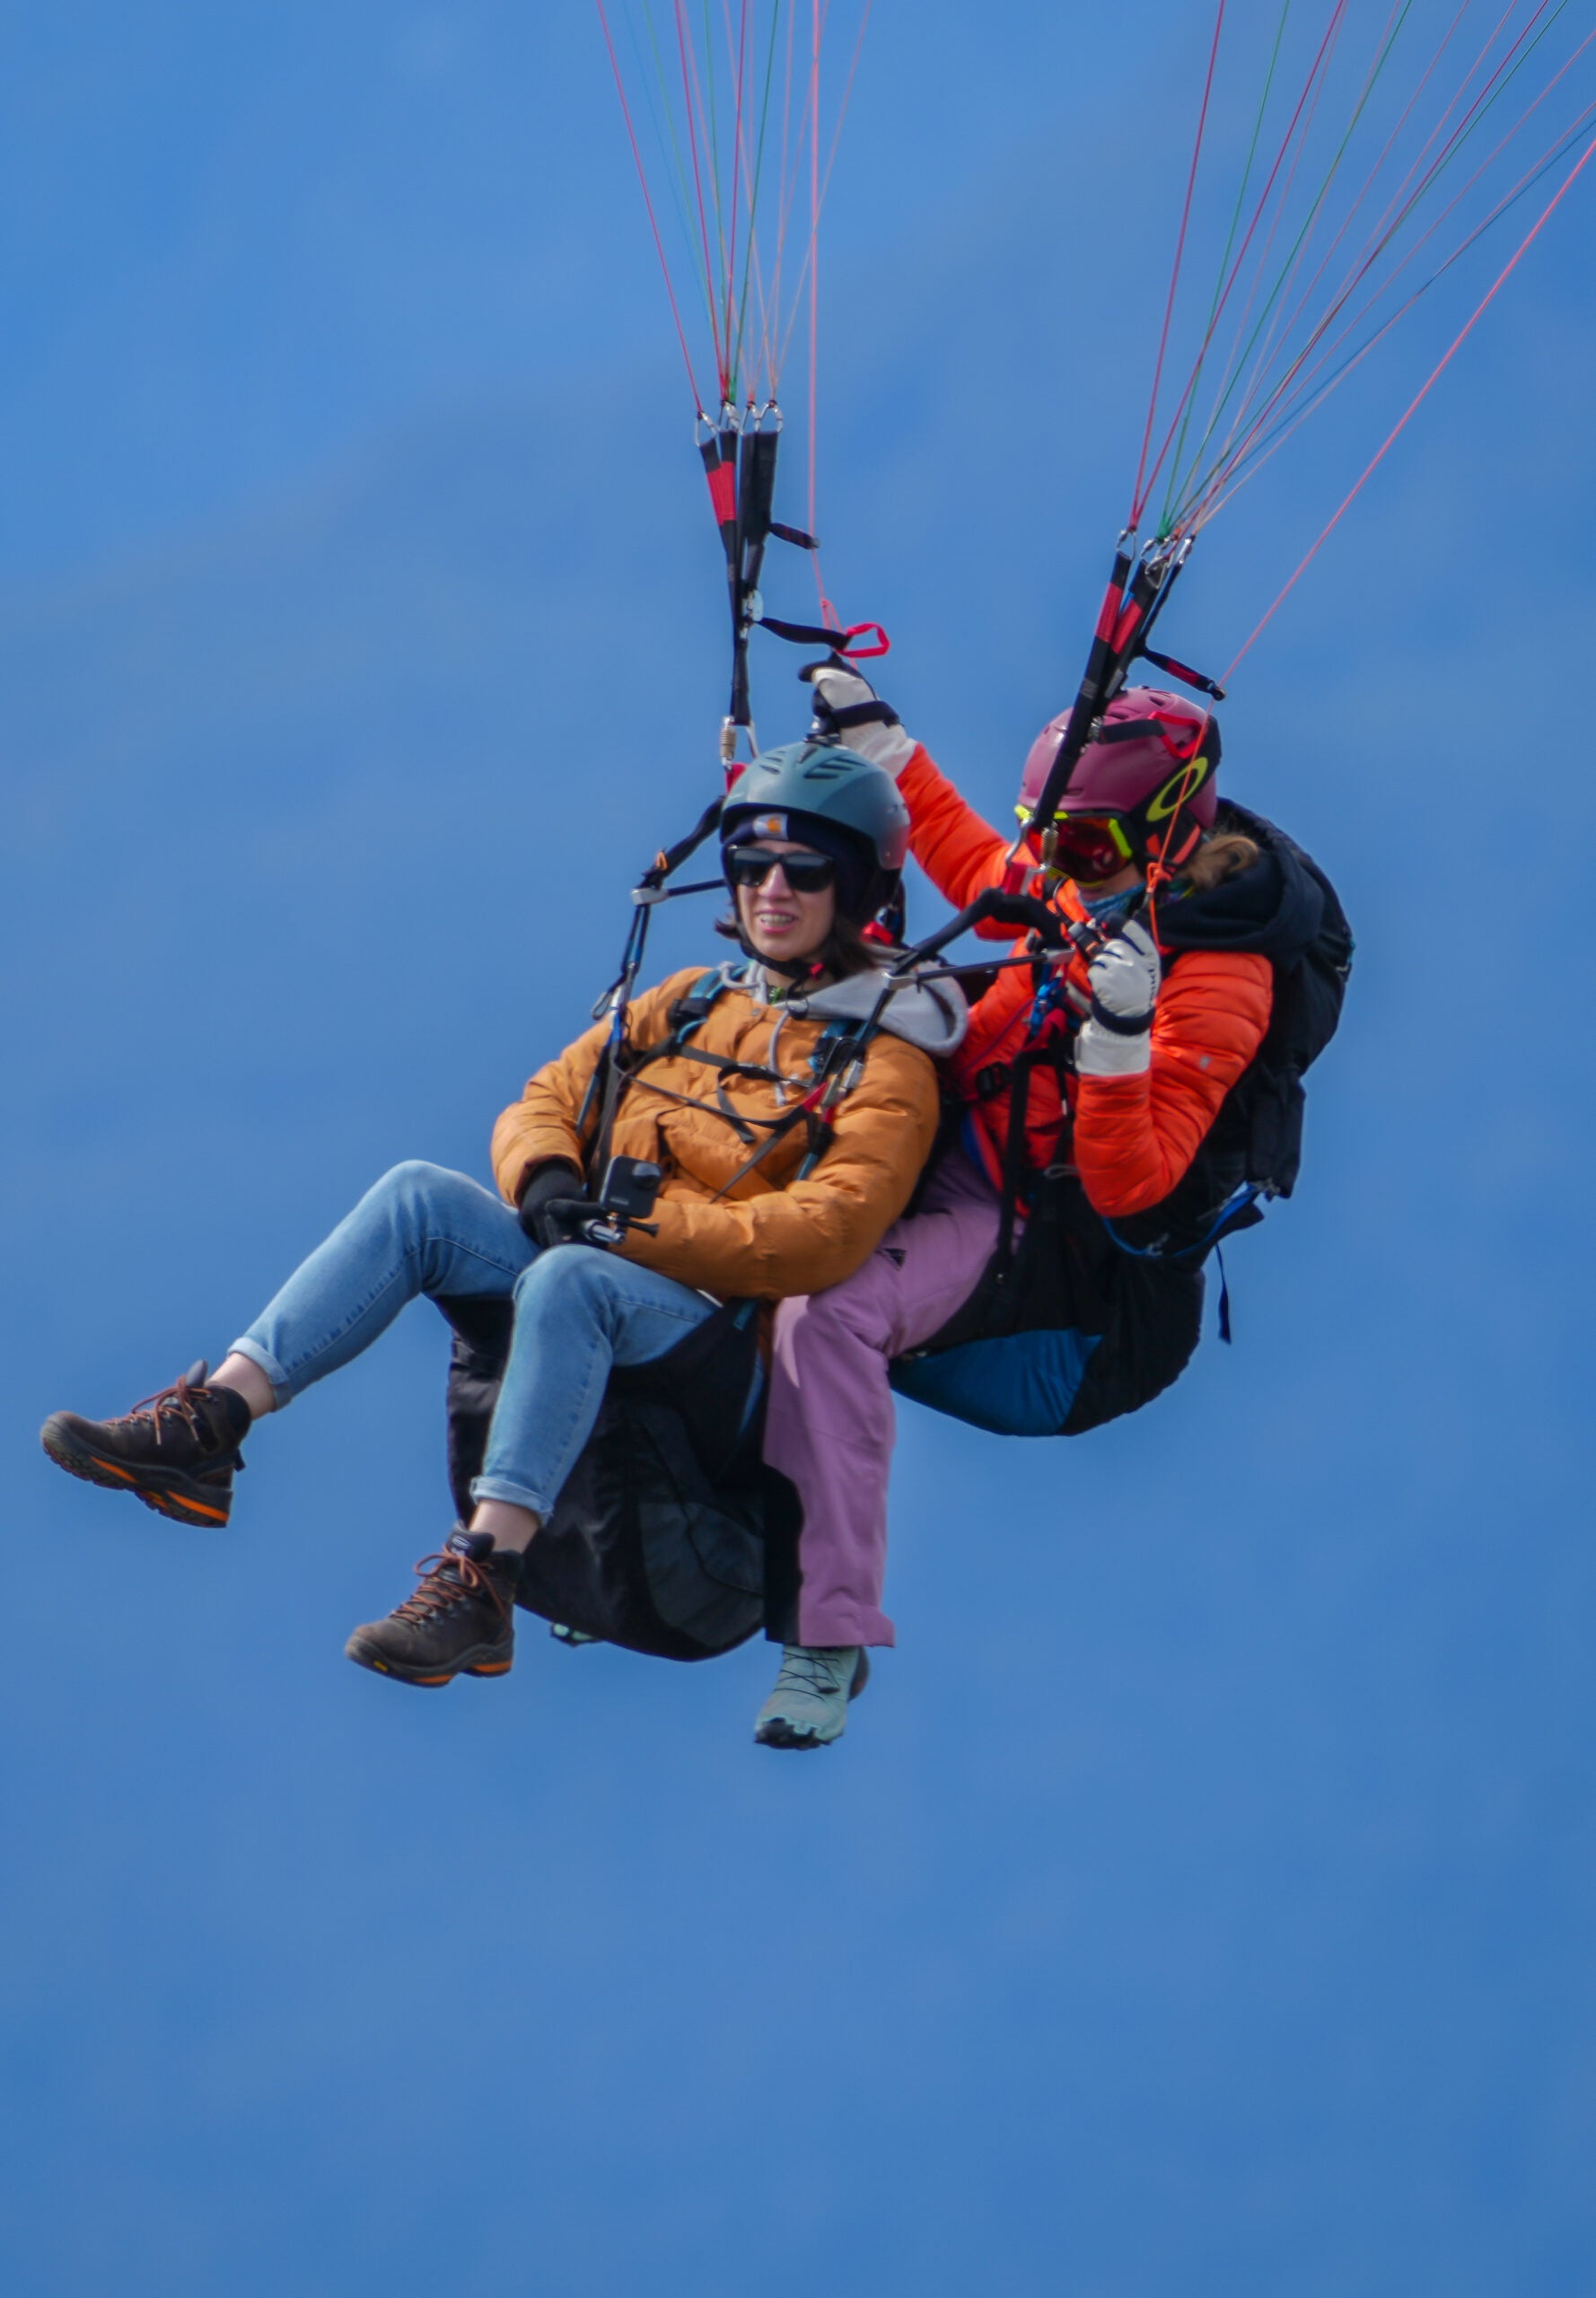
1126	1074
813	839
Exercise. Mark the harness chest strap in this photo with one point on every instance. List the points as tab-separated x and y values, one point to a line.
832	1078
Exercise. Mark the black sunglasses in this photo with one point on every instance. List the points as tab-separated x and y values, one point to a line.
806	874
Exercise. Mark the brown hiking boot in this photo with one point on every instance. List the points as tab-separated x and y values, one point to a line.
460	1621
177	1452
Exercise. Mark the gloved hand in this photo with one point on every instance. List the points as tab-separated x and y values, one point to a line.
1117	1040
553	1179
848	710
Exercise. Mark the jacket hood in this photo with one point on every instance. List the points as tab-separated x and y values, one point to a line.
932	1015
1276	909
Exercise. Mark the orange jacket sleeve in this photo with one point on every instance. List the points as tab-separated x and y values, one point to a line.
1134	1137
960	853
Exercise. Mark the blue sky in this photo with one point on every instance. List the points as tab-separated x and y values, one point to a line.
1201	1899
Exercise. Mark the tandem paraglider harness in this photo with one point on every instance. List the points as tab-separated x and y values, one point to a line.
670	1536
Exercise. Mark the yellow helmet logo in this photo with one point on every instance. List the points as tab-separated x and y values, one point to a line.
1177	789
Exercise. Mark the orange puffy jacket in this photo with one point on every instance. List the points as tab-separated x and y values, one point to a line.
770	1232
1134	1137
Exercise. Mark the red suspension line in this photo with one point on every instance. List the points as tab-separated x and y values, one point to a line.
698	136
1285	394
1380	237
1483	95
625	111
817	21
1313	90
1230	483
1420	396
786	185
1370	181
1139	495
733	314
1277	327
1279	405
1376	246
836	129
1241	257
749	172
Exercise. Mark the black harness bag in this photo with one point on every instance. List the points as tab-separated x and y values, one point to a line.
657	1541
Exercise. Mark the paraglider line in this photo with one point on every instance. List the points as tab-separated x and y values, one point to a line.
1138	499
1187	397
831	154
1270	417
1310	395
1421	395
814	264
1273	329
1242	343
1399	209
689	91
1376	243
652	220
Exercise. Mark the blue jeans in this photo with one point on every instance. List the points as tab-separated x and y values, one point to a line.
423	1229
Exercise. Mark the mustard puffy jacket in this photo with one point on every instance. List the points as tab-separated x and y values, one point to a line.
771	1234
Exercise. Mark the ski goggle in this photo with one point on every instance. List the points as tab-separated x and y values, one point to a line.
1091	847
805	873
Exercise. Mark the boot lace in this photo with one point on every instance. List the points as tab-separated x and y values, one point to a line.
171	1406
450	1578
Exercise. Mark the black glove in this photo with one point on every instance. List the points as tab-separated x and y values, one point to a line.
552	1180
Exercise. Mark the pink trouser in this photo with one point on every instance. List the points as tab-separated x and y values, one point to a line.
830	1422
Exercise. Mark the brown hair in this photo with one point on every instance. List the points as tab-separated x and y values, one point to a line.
845	950
1218	859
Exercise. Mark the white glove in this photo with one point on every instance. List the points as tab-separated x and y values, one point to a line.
1117	1042
876	733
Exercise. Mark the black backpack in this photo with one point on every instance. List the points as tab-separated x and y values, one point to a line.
1254	1148
658	1539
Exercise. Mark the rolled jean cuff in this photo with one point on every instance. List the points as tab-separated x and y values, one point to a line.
282	1390
518	1496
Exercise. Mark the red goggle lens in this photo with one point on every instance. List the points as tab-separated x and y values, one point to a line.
1086	847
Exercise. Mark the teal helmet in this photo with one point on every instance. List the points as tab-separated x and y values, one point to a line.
820	795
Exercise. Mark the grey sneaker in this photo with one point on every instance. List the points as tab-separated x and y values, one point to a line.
809	1704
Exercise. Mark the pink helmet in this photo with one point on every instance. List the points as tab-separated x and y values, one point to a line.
1153	755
